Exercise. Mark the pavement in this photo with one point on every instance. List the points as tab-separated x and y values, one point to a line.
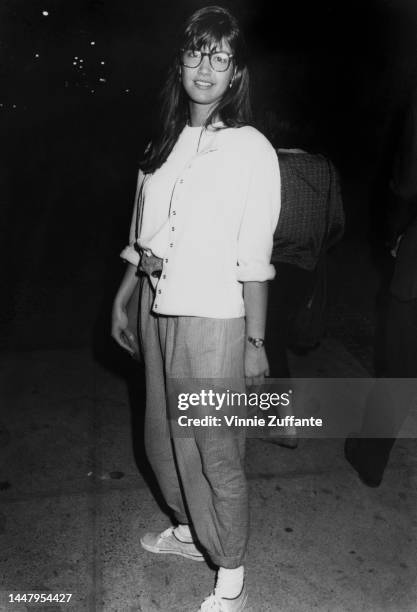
76	494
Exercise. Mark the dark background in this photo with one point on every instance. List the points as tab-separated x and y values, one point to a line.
71	142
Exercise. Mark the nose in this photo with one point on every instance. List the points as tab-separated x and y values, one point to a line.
205	66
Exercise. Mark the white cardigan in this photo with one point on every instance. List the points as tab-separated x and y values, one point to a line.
210	213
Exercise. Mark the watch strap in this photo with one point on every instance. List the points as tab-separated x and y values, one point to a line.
257	342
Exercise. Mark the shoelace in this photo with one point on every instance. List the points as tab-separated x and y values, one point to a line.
171	531
212	604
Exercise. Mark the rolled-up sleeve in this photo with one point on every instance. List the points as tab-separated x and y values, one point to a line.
129	253
260	218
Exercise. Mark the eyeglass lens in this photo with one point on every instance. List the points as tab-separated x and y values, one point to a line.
219	61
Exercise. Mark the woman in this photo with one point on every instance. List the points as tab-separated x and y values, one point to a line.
208	203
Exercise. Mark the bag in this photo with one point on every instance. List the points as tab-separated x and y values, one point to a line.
309	324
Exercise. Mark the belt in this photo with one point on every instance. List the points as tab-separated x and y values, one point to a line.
150	265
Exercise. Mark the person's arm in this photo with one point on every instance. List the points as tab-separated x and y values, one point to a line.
130	253
255	240
119	324
255	296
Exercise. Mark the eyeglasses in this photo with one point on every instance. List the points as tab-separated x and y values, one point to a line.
219	60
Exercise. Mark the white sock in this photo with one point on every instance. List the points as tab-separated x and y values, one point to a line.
230	581
183	533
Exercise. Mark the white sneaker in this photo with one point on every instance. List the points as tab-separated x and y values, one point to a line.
215	603
167	543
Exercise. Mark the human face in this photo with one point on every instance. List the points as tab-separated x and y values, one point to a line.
204	86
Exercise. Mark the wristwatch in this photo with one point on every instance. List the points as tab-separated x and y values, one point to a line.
257	342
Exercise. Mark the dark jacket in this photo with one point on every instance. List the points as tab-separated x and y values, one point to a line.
312	216
403	187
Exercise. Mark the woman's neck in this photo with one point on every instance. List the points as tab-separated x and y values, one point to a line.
199	114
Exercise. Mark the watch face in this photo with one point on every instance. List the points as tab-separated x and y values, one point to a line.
257	342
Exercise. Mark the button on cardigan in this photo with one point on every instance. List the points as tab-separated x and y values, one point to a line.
210	213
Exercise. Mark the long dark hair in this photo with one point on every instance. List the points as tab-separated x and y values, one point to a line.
208	26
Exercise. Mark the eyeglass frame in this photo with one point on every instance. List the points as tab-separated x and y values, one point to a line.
209	54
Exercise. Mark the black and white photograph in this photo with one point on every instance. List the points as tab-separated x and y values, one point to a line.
208	323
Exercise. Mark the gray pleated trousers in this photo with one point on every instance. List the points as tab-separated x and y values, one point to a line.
200	475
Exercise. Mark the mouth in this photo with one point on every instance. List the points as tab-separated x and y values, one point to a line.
203	84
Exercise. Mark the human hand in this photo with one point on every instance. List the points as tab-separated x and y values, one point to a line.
120	331
256	365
